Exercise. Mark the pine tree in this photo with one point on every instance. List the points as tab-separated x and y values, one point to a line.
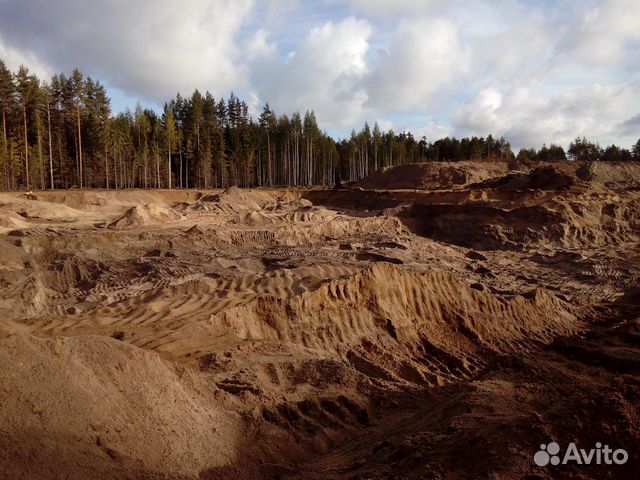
62	133
25	87
7	101
77	87
268	123
635	150
170	136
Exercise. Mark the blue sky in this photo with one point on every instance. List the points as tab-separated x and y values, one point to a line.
535	72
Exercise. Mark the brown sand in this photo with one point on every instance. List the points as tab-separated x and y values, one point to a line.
434	175
439	333
144	215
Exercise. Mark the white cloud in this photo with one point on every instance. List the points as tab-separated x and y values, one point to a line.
631	127
260	47
385	125
424	58
323	74
433	130
520	45
149	48
386	7
534	72
602	33
530	117
332	73
14	58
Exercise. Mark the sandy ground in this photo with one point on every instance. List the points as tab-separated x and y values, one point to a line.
436	321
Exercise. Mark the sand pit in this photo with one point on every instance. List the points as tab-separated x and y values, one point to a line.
322	334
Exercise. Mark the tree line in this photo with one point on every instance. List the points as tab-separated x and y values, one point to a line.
62	134
580	149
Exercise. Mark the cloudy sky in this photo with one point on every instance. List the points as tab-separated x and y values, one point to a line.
533	71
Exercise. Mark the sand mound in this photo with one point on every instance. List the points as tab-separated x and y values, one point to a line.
299	215
311	214
10	221
81	200
545	177
433	175
43	210
232	200
108	200
317	232
572	222
522	400
143	215
550	206
372	307
618	175
257	218
566	175
98	408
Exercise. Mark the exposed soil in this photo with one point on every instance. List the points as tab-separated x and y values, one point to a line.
434	175
437	321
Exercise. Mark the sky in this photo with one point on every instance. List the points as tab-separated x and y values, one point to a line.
533	71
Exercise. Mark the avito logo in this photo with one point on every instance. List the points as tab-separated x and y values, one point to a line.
550	454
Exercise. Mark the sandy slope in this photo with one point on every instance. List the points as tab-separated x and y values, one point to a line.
93	405
434	175
321	334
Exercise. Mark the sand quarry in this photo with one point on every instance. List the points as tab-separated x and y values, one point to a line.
432	321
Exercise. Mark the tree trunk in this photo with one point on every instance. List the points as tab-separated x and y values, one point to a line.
146	168
157	170
6	149
50	147
80	145
115	168
106	164
40	155
75	146
269	172
60	156
181	184
26	144
169	158
13	171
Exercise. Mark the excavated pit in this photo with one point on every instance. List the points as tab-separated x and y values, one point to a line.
364	333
